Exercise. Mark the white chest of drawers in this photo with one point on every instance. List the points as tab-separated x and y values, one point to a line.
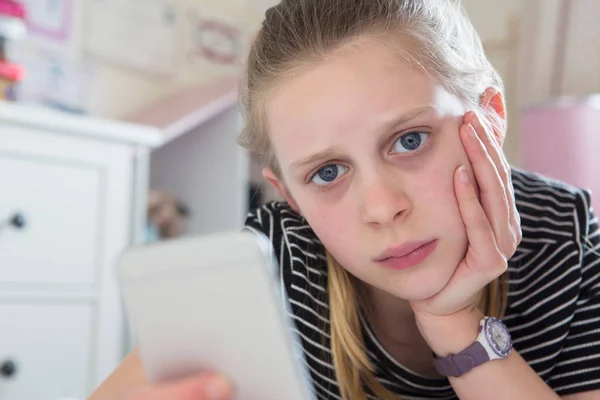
72	198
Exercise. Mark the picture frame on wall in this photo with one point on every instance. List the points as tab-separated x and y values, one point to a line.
50	19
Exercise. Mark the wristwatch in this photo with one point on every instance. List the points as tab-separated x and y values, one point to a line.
493	343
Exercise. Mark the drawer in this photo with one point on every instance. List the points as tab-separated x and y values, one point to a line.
60	205
44	351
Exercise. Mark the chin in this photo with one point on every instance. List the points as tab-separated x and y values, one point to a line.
417	293
421	283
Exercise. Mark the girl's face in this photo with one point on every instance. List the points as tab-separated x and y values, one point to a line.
367	148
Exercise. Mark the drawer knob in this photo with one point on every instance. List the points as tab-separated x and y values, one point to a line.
8	369
18	221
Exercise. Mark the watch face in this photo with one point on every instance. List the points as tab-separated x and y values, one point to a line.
498	336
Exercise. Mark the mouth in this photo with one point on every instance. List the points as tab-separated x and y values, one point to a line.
407	255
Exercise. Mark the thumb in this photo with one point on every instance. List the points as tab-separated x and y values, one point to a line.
203	387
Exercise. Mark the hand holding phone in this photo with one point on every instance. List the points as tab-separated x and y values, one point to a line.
214	303
201	387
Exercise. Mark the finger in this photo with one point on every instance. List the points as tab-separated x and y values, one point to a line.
482	242
203	387
495	152
497	155
492	188
491	144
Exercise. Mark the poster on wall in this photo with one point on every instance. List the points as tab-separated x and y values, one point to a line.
50	19
137	34
214	42
56	76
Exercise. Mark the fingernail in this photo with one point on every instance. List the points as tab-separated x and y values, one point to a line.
463	176
471	131
470	116
218	388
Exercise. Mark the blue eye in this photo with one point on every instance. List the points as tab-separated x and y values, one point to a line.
328	174
410	142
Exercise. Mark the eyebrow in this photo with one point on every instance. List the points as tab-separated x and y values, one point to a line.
313	158
406	117
330	153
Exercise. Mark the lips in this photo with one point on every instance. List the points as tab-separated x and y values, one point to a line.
407	254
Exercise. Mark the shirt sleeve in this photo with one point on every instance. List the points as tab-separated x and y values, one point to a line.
578	366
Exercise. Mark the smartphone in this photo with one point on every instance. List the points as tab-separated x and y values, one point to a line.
214	303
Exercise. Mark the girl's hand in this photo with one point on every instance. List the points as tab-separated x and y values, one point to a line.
202	387
491	220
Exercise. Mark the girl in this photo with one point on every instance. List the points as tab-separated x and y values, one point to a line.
405	231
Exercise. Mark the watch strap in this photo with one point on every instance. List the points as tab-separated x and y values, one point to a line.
459	364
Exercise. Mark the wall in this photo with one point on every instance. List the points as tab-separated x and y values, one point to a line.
562	42
581	68
116	91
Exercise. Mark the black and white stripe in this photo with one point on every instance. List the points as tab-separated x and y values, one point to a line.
554	298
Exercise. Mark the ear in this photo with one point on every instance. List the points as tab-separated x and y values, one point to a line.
492	101
278	184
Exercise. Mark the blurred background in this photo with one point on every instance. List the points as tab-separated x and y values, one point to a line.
118	127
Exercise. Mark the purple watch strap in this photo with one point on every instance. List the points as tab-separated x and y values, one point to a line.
461	363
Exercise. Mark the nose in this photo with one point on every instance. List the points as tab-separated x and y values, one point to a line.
383	201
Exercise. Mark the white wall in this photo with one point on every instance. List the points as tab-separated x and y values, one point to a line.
561	42
582	56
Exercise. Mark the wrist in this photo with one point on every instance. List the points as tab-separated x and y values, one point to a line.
449	334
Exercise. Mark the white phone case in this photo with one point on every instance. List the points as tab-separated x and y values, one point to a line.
214	303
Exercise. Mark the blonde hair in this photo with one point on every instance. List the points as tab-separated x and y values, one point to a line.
297	34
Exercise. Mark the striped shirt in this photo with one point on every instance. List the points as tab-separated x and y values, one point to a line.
553	309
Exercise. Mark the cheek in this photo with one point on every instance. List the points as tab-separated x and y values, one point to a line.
437	201
437	198
336	226
331	222
436	180
456	157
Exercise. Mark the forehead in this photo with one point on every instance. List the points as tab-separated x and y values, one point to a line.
355	90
